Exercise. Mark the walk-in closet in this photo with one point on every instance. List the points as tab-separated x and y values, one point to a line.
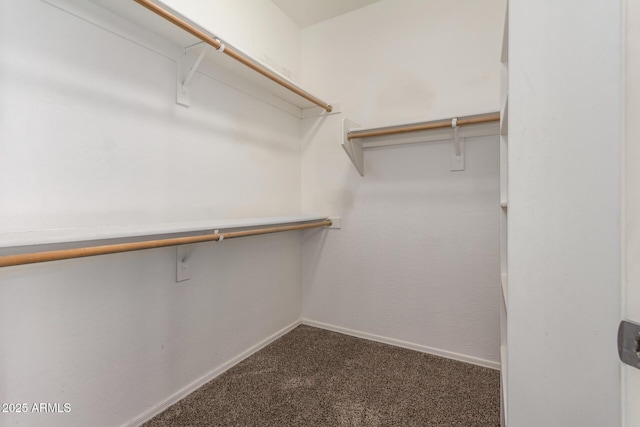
319	213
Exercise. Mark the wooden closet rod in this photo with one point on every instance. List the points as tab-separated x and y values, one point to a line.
232	53
30	258
438	124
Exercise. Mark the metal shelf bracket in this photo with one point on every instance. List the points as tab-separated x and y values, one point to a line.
457	161
185	73
353	147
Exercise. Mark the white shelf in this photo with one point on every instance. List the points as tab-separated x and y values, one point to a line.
118	15
504	116
71	235
355	147
504	56
504	281
504	194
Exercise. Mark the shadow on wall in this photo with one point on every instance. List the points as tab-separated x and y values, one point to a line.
225	115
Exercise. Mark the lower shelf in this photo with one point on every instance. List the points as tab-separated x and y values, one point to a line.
172	237
66	235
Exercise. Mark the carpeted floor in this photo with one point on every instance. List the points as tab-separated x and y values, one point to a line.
313	377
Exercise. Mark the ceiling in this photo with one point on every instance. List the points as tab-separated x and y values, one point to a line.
309	12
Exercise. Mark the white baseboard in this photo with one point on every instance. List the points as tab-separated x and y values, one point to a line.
185	391
404	344
182	393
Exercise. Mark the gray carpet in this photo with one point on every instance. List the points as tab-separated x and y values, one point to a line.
313	377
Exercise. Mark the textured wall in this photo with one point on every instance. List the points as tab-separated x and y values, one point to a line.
258	27
90	135
417	258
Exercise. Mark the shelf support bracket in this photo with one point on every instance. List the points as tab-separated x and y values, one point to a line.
353	147
184	76
183	264
457	161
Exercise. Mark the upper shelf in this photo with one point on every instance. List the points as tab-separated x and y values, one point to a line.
232	59
354	137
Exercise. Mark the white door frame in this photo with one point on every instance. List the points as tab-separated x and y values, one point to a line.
630	377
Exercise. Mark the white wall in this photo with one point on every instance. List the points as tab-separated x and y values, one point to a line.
90	135
395	62
258	27
417	258
564	212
